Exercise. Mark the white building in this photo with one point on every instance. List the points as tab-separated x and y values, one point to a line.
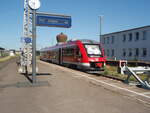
2	50
11	52
132	44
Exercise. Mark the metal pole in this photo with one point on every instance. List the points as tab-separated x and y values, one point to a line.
34	47
100	28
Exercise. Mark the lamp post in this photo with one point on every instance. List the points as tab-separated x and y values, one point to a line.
101	16
34	5
34	47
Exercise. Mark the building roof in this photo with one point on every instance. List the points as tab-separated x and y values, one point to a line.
2	48
126	30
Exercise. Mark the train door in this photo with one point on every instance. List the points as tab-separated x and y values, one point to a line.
78	55
60	56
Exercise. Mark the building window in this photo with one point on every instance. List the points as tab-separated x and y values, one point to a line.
104	40
136	36
124	38
137	52
124	52
130	52
112	52
112	41
107	40
144	35
107	52
144	52
130	36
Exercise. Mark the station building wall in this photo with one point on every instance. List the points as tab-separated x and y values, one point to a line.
132	44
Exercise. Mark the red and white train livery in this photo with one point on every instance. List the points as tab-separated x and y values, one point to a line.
84	54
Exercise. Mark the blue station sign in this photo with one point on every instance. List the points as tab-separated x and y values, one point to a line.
52	20
26	40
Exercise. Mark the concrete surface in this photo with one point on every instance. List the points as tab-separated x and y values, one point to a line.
66	92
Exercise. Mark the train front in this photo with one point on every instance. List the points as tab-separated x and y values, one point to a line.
93	58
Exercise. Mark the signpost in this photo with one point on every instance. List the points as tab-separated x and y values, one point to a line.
43	19
34	5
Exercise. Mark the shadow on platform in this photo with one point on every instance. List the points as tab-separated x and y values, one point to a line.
28	76
41	74
25	84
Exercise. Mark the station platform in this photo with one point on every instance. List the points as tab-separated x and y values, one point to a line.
64	90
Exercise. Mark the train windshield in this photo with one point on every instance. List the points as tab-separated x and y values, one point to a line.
93	50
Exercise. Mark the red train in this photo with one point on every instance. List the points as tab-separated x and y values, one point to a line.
84	54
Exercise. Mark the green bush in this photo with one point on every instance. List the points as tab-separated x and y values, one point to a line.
105	72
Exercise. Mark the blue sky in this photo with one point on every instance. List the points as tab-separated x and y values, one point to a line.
118	15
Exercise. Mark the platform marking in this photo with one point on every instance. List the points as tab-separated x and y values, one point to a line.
100	81
146	93
141	94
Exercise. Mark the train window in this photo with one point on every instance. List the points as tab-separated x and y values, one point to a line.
77	51
93	50
69	51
